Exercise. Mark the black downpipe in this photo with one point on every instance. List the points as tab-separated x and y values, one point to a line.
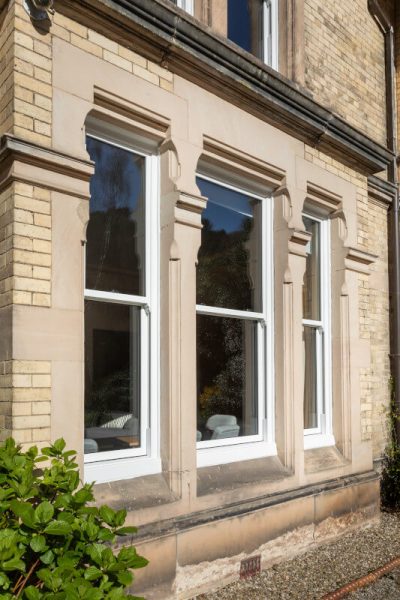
394	242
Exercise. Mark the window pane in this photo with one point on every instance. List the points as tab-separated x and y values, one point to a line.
310	378
245	24
226	378
312	275
229	271
112	376
115	250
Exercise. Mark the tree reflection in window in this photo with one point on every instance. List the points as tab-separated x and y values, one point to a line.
115	234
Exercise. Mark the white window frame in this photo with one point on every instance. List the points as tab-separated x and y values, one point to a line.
187	5
145	460
216	452
322	435
270	16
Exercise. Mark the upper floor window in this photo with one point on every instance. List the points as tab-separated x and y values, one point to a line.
120	312
187	5
251	24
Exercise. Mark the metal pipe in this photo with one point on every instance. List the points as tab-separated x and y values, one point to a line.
394	239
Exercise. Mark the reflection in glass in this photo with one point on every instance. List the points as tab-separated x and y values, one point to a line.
245	25
310	378
112	376
226	377
115	249
312	275
229	272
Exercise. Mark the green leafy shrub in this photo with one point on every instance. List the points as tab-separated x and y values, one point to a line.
52	544
390	480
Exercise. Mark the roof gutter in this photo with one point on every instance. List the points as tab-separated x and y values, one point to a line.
394	241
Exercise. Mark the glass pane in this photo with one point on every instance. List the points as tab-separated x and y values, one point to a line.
310	378
245	24
312	275
115	250
229	271
227	405
112	376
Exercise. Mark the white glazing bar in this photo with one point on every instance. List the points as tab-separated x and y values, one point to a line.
216	311
116	298
311	323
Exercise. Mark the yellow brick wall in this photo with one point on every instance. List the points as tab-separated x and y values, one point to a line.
25	397
344	62
6	68
25	245
31	54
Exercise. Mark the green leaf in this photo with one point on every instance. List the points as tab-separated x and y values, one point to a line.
107	514
125	577
84	495
125	530
38	543
58	528
47	558
92	573
44	512
25	511
59	445
14	564
120	517
32	593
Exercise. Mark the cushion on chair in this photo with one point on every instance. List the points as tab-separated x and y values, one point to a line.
225	431
216	420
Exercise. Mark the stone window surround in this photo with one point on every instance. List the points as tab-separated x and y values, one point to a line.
220	158
180	220
57	170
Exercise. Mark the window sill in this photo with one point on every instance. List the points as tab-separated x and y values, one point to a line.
105	471
227	477
222	455
318	440
323	459
135	494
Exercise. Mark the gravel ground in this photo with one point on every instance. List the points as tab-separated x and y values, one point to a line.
326	568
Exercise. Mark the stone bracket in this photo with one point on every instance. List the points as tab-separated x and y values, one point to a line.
359	260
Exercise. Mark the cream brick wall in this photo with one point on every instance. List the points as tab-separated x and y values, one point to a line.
373	303
25	245
25	398
29	62
344	62
6	69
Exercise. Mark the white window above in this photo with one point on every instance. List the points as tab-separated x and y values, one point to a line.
251	24
187	5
